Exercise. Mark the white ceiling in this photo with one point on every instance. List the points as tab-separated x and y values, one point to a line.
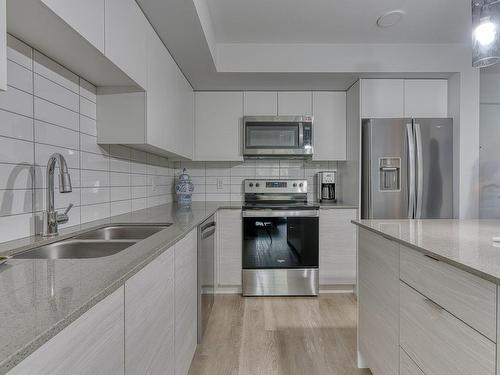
337	21
192	30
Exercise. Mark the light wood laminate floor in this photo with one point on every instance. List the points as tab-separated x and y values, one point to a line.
280	336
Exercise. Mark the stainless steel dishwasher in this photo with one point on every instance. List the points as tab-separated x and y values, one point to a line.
206	273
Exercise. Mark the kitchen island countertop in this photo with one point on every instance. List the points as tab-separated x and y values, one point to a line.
466	244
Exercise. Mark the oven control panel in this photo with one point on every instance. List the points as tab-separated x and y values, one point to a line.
275	186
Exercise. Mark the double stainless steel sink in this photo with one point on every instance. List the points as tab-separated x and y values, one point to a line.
96	243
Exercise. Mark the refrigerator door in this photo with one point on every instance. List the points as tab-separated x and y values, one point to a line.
434	160
385	165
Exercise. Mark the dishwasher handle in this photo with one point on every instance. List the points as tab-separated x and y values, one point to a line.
207	230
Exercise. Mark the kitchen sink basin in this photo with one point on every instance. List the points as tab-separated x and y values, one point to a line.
123	232
75	249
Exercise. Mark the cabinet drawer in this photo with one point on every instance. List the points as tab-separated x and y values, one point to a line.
463	294
407	366
438	342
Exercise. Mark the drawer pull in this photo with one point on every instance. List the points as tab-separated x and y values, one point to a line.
433	304
431	257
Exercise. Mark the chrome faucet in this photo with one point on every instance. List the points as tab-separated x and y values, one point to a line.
51	219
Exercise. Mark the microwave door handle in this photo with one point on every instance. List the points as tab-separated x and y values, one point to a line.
301	135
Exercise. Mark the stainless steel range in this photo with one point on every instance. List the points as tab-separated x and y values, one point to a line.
280	239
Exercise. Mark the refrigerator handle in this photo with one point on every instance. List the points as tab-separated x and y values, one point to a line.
411	170
420	171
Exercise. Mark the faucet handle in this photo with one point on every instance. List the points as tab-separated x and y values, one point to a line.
63	218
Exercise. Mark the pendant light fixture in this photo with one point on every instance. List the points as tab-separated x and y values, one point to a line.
485	32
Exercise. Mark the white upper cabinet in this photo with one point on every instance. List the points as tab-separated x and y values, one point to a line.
218	118
86	17
260	103
330	127
3	46
382	98
292	103
426	98
126	30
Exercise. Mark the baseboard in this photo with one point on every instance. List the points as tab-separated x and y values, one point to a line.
228	289
344	288
361	361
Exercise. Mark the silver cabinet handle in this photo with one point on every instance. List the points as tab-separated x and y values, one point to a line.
433	304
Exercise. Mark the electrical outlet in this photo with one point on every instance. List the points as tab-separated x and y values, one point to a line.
219	184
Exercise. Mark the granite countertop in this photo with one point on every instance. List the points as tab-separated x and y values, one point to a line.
466	244
40	297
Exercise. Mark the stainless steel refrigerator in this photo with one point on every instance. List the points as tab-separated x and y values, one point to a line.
407	168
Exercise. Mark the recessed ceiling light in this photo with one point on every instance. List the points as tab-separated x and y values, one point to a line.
390	18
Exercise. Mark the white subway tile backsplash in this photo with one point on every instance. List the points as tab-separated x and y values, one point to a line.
19	77
94	195
16	126
43	152
119	179
88	143
55	135
16	176
15	151
121	207
64	108
94	178
88	126
55	93
17	101
19	52
95	212
88	108
55	72
55	114
15	202
16	226
120	193
88	90
94	161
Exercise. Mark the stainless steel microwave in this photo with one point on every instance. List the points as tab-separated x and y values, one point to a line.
285	136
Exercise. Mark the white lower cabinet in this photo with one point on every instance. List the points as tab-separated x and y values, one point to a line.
185	301
337	247
149	318
378	320
440	343
91	345
230	239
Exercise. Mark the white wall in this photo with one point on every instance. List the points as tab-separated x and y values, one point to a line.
48	109
489	161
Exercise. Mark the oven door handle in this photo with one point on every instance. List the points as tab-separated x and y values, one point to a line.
280	213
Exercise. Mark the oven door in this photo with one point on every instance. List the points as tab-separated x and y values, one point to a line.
280	253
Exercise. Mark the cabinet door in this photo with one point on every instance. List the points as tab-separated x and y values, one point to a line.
378	314
91	345
230	240
426	98
149	318
186	302
218	119
337	247
86	17
3	46
260	103
382	98
126	30
330	126
293	103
